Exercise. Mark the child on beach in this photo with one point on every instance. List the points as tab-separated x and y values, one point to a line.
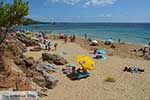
73	38
55	46
49	45
95	51
85	36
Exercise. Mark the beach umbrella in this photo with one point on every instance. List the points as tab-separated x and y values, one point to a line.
110	40
94	41
86	62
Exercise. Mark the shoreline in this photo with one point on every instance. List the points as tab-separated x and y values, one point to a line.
98	39
121	50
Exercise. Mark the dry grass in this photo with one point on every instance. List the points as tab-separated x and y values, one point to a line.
110	79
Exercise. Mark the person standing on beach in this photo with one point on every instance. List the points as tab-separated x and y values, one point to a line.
66	39
144	50
85	35
149	45
95	51
73	38
55	46
119	41
49	45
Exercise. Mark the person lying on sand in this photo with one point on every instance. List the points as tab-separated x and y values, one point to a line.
133	50
81	70
133	69
143	50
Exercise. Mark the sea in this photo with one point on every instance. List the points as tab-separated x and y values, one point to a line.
133	33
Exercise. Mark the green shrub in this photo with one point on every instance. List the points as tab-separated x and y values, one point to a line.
110	79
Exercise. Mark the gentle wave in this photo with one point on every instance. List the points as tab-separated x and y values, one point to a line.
137	33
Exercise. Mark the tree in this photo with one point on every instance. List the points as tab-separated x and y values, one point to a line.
11	15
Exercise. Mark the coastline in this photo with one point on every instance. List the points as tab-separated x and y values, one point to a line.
136	33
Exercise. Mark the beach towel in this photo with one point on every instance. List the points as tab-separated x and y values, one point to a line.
77	76
83	75
100	57
101	51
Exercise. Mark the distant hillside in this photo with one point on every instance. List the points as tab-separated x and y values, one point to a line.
29	21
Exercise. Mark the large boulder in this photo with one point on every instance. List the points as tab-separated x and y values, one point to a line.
40	81
51	81
37	48
46	67
27	41
28	61
53	58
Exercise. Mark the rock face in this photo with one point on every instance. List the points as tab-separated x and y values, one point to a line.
7	80
38	48
1	64
28	62
27	41
51	81
45	79
40	81
24	85
53	58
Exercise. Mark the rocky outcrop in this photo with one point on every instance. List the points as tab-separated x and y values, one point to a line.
53	58
27	41
7	80
38	48
28	62
51	81
40	81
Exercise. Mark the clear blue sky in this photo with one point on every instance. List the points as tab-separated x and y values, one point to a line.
90	10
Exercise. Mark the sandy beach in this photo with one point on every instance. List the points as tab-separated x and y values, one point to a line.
128	86
74	50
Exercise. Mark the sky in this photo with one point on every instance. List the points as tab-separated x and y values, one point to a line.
90	10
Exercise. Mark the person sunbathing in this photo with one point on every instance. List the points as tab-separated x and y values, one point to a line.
79	70
133	69
133	50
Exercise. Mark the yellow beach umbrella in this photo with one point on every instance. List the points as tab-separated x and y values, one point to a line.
86	62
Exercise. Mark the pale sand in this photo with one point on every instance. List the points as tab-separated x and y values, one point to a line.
127	86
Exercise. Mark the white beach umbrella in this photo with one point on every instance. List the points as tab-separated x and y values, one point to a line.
94	41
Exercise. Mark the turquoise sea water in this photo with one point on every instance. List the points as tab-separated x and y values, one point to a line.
137	33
